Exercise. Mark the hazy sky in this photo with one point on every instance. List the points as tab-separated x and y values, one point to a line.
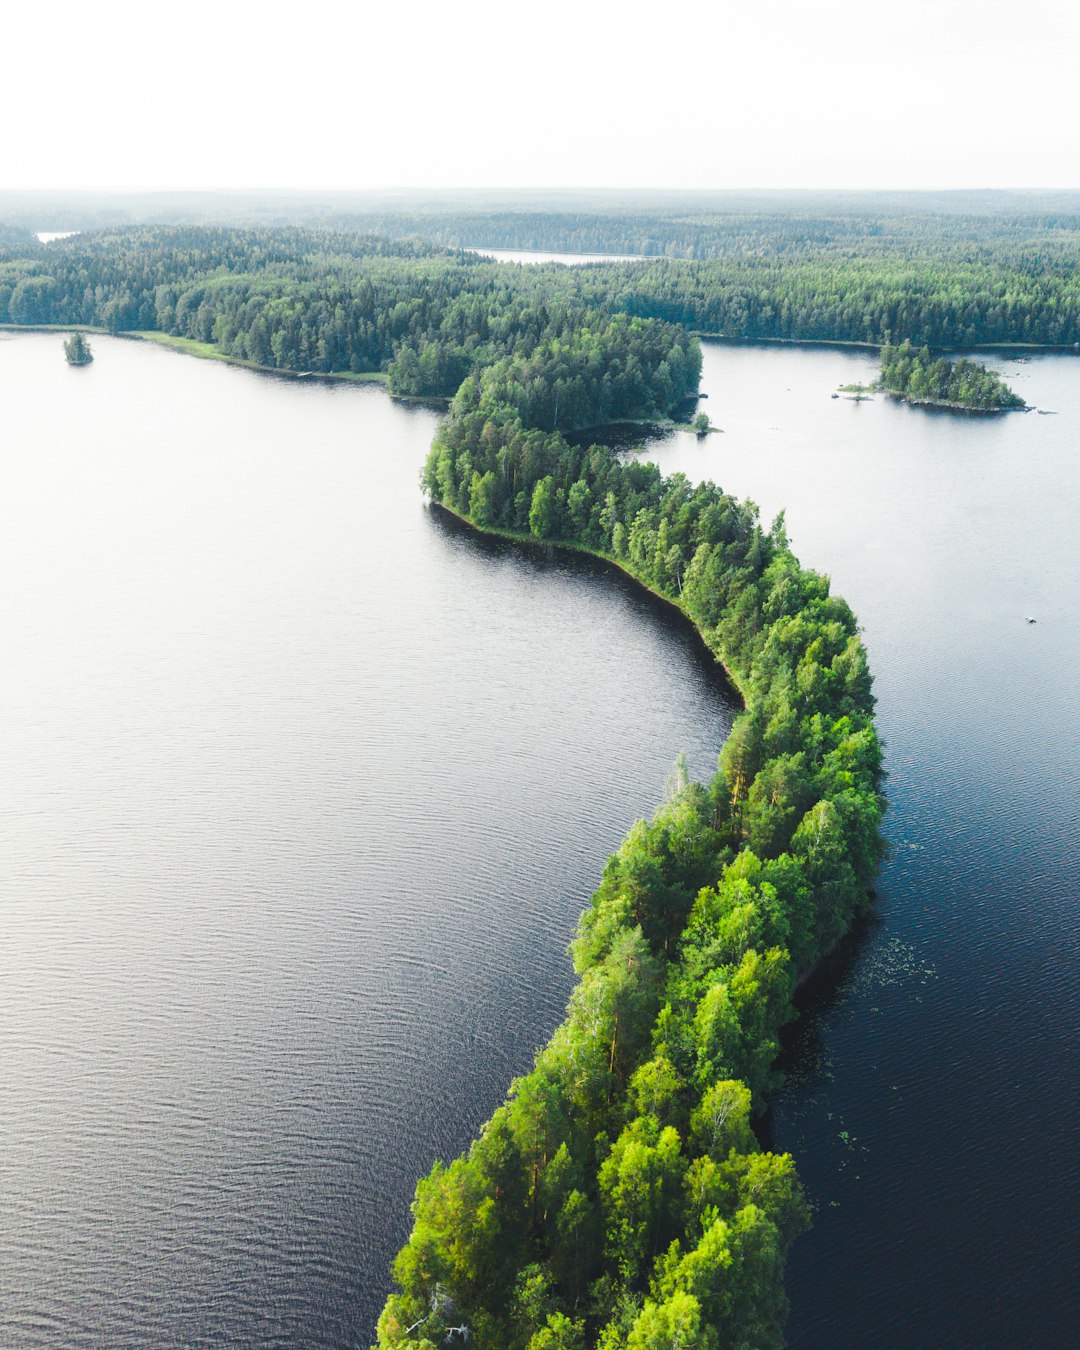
239	93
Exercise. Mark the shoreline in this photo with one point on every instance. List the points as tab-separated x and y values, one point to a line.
802	978
952	407
845	344
208	352
545	255
204	350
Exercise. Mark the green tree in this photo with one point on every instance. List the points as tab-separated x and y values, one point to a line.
77	350
640	1183
482	498
542	512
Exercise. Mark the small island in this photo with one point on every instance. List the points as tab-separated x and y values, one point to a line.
702	426
77	350
917	378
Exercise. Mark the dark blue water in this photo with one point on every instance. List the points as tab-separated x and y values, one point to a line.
935	1093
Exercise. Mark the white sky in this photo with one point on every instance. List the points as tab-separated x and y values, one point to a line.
573	93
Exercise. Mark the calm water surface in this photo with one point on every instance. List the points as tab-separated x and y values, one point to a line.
534	255
302	794
304	791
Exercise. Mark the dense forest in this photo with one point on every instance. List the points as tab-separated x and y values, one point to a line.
619	1198
706	233
916	376
338	300
320	301
14	239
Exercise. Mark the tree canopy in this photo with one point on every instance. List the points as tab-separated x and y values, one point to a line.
353	300
77	350
919	378
619	1198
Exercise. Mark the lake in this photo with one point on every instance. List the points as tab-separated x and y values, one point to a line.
532	256
305	789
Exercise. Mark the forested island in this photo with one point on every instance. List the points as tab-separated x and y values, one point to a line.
77	350
915	376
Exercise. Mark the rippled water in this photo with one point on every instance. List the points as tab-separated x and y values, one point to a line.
935	1097
304	789
302	793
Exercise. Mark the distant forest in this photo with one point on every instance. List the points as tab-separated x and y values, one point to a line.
330	301
398	291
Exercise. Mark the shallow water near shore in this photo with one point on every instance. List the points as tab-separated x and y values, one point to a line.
306	787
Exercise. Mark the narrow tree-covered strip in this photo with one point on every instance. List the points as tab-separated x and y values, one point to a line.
619	1198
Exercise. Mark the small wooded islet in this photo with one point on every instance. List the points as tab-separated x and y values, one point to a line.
917	377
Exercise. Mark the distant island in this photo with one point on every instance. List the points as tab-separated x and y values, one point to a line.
917	378
77	350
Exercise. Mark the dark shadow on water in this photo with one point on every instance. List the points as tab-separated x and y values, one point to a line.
802	1050
567	562
619	436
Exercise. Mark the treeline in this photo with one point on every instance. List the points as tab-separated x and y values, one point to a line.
298	299
793	228
619	1198
942	303
308	300
14	239
286	298
915	375
939	278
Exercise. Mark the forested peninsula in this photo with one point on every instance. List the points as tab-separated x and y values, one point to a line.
619	1198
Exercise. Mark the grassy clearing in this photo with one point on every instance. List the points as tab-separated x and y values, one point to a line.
188	345
209	352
